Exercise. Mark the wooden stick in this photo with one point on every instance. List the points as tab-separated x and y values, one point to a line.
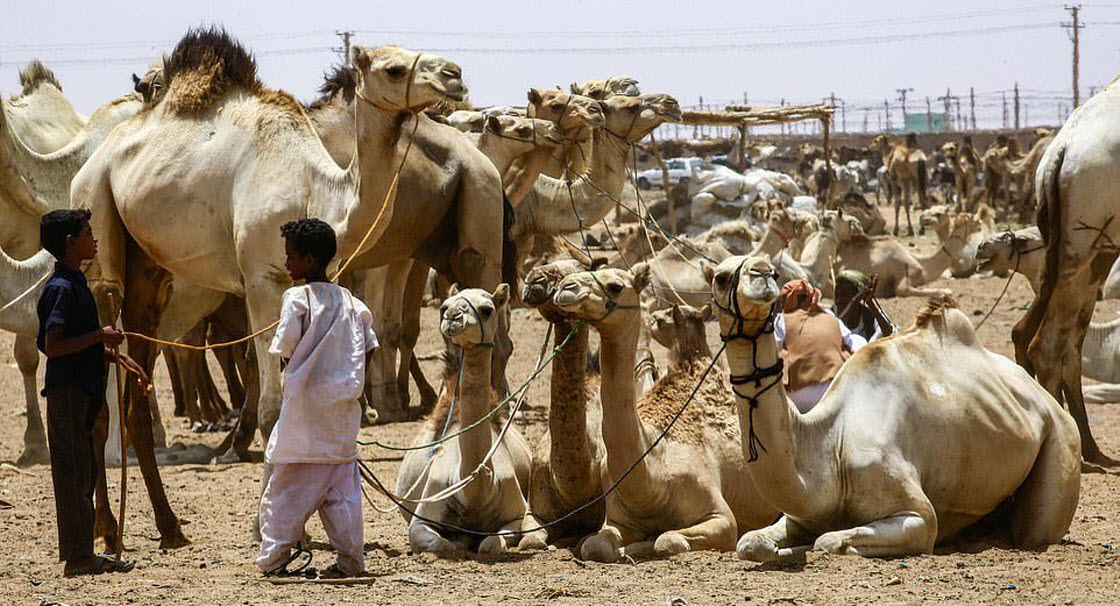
124	444
301	581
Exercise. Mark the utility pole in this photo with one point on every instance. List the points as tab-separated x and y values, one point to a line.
1016	106
960	123
902	97
972	105
1003	96
947	100
929	117
1074	34
345	50
887	112
1026	115
866	113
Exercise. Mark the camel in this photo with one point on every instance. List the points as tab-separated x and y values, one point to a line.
901	272
493	498
150	170
920	436
559	207
693	491
1020	173
965	169
607	87
1076	219
906	169
568	459
559	107
1022	251
456	225
25	279
1100	361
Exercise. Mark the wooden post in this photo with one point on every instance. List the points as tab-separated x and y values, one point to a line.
827	162
743	146
672	204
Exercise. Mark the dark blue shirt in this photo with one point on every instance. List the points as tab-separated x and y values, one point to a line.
67	302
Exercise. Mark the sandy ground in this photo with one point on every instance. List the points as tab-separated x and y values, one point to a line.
219	502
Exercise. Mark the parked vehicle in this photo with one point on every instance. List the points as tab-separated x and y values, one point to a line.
680	171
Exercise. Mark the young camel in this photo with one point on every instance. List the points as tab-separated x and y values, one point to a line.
920	436
494	498
693	490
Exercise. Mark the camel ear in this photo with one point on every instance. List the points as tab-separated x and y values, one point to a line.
501	295
534	96
678	317
494	124
454	290
598	262
705	313
359	57
135	79
708	270
573	88
641	277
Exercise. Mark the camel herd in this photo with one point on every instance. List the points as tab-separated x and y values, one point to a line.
922	434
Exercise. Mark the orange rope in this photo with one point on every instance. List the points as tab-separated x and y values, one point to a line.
341	268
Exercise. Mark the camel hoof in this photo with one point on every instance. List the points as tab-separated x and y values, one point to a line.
599	548
493	545
834	543
533	542
670	543
175	540
756	548
33	455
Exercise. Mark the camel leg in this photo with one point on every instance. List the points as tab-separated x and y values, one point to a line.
782	541
501	543
423	536
175	375
901	534
897	210
536	540
229	323
909	225
606	545
716	533
104	522
231	362
904	289
147	294
34	436
384	293
410	333
1045	503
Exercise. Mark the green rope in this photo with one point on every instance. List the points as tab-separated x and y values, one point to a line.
505	403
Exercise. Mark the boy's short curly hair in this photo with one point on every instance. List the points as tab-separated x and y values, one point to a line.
56	225
311	237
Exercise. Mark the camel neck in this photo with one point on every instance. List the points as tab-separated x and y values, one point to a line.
570	453
772	242
936	264
502	151
622	429
380	144
474	403
776	423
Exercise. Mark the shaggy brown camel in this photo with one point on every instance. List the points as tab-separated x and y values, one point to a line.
920	436
1077	212
693	491
145	184
965	170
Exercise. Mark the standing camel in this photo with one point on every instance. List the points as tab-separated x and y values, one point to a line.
254	153
906	170
1077	217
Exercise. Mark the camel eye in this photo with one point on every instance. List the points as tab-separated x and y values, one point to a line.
524	130
721	279
615	288
396	71
556	106
486	310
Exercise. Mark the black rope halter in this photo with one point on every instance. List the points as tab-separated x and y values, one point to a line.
611	304
481	328
759	374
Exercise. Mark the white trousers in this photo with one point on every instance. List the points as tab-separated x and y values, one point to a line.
297	490
807	397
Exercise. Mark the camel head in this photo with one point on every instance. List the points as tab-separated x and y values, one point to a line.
937	218
950	149
840	224
781	222
747	284
152	84
679	323
574	113
603	89
540	284
387	78
881	143
999	252
601	296
528	132
632	118
469	317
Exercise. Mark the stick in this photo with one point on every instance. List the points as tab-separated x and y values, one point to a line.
124	446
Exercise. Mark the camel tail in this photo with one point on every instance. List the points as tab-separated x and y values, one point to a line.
922	177
509	245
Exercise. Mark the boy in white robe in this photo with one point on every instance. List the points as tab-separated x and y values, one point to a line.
324	334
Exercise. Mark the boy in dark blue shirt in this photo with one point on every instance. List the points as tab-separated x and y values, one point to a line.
74	343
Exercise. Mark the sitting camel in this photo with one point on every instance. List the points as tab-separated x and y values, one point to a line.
692	491
493	498
1021	251
900	271
920	436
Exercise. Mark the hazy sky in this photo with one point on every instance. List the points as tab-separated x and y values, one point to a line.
801	51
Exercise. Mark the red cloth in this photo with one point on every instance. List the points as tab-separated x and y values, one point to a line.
799	294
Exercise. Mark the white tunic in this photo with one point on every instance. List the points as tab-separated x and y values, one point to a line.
325	333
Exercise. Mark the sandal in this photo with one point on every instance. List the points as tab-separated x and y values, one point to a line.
97	565
334	572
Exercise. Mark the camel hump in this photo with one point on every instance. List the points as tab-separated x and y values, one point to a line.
35	73
942	316
206	64
338	79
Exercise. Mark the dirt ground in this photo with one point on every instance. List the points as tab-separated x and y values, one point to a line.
219	503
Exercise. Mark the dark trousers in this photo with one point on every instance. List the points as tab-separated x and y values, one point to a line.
71	415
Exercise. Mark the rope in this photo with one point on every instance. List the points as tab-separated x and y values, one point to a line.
342	268
22	295
1018	258
374	481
